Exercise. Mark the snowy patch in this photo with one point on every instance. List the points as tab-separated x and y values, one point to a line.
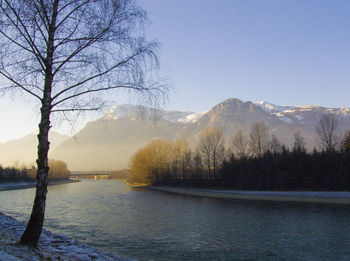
345	111
272	108
278	114
307	107
290	111
4	256
266	106
193	117
51	246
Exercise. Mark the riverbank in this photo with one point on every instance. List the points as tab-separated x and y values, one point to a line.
285	196
32	184
51	246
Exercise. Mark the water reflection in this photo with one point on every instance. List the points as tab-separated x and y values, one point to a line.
152	225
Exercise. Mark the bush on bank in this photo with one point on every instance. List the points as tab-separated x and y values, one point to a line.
58	170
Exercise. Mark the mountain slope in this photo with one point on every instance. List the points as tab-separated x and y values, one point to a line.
108	144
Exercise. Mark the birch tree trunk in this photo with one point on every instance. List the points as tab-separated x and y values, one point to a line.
32	233
35	225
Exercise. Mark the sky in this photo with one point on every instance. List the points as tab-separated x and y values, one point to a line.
287	52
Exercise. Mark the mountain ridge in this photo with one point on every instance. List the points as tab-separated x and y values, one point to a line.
108	142
124	135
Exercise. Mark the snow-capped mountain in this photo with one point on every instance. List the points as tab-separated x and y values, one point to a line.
134	111
305	114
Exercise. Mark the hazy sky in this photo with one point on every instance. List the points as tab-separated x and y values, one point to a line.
284	51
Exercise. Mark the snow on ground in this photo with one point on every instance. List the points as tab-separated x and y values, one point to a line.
51	246
317	194
323	197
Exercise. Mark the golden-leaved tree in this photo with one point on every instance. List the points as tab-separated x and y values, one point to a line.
152	162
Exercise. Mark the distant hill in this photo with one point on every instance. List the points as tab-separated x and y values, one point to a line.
108	143
24	150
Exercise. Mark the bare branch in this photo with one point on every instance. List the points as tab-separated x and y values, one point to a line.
125	61
132	86
70	13
74	110
19	85
25	34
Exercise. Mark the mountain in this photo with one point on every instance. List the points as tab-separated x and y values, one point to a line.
109	142
233	114
24	150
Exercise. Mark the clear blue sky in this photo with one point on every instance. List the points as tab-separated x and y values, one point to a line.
283	51
288	52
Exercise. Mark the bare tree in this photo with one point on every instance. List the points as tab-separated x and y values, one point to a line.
211	147
299	142
327	131
346	142
182	149
198	166
240	144
63	53
275	145
258	139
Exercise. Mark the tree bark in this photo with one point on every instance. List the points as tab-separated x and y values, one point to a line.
32	233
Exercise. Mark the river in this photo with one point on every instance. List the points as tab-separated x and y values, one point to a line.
152	225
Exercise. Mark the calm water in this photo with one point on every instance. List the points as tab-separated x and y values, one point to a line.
151	225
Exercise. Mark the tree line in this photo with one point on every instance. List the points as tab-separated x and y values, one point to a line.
58	170
255	161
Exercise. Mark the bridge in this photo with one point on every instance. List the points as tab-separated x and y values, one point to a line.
95	176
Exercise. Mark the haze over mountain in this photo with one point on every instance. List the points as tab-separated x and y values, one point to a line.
24	150
108	143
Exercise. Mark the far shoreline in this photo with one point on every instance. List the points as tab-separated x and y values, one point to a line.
25	184
321	197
